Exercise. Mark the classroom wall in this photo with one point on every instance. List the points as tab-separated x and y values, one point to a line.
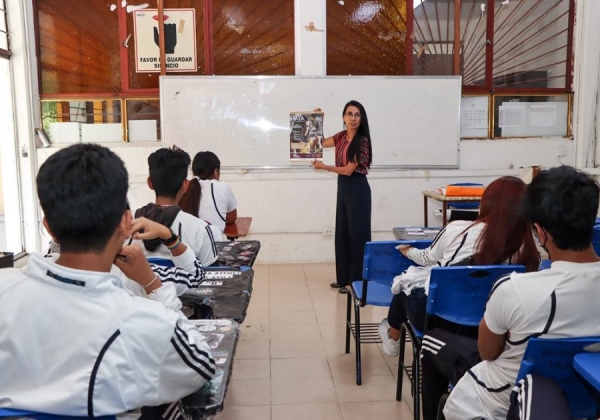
292	208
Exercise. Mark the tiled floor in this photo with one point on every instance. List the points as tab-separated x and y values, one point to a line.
290	363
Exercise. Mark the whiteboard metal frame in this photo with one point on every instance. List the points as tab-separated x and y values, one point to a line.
296	168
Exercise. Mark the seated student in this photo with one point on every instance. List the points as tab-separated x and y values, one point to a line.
168	169
561	203
499	235
86	333
207	197
187	273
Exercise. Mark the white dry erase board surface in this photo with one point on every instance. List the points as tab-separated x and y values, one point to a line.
414	121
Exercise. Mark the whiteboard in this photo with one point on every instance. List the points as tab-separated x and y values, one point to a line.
414	121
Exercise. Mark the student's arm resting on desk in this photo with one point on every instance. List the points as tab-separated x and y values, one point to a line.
185	362
231	210
171	356
231	216
188	272
188	363
430	255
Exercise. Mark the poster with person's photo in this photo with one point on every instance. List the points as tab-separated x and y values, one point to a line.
306	135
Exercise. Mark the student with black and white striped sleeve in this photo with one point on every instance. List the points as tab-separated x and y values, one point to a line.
561	203
168	168
499	235
86	332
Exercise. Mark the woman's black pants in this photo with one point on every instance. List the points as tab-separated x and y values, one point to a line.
352	226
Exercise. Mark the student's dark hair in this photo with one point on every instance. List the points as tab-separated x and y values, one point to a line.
83	193
205	164
363	132
203	167
507	234
168	169
564	202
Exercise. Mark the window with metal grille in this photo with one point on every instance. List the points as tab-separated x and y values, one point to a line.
495	44
4	42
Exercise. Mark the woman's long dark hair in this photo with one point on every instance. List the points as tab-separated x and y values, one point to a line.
361	133
204	166
507	234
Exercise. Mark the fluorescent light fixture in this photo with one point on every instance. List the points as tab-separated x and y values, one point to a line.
417	3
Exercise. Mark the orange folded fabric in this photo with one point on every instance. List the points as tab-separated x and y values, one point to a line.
462	191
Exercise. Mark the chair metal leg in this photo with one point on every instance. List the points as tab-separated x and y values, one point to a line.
357	340
348	320
401	363
417	386
440	413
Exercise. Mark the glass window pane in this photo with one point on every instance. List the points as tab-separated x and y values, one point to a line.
473	31
433	40
530	44
253	37
85	121
530	116
11	217
143	120
150	80
79	46
3	21
366	37
474	113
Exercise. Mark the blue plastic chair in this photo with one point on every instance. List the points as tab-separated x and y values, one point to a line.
382	262
588	366
456	294
553	358
11	412
596	239
164	262
545	264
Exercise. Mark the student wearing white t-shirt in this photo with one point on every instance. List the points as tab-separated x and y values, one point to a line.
499	235
561	203
207	197
168	169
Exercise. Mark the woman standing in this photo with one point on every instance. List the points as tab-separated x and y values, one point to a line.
353	156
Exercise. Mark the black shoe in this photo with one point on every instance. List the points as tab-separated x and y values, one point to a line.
343	291
335	285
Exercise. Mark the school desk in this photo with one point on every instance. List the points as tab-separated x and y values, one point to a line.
404	233
222	336
239	228
445	200
225	290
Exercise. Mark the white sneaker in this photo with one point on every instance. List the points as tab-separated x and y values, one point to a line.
390	347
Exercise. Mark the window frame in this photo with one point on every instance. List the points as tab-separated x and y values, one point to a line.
489	55
5	53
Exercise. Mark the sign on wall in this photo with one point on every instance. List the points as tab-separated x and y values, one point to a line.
180	40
